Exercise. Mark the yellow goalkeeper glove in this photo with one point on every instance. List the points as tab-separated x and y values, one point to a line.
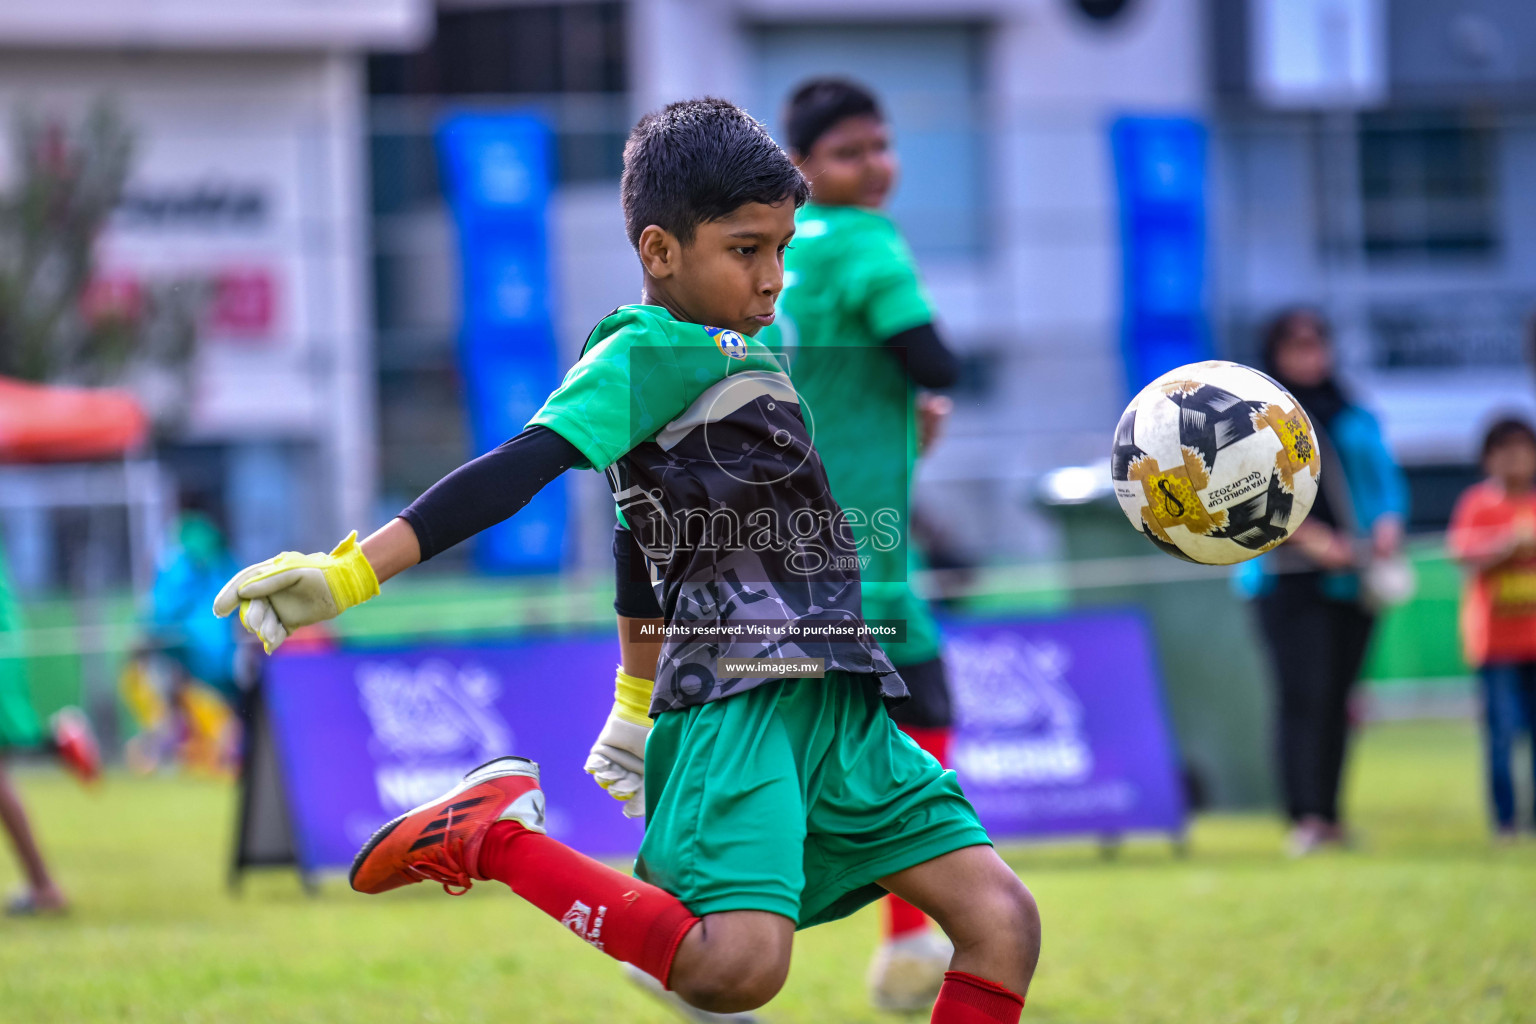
617	761
280	595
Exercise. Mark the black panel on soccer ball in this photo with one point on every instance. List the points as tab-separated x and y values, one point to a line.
1172	549
1261	519
1125	451
1211	418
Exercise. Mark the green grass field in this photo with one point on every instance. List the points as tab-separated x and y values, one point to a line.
1426	923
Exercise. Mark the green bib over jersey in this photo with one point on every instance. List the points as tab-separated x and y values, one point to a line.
700	435
850	284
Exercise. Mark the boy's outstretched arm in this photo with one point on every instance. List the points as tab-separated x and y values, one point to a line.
292	590
392	549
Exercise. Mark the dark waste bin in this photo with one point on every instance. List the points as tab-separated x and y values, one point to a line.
1214	673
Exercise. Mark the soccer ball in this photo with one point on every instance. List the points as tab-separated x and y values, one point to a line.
1215	463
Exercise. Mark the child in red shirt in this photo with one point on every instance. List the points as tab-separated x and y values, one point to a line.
1493	534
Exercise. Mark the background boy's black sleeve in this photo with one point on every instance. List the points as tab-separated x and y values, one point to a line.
481	493
930	363
633	595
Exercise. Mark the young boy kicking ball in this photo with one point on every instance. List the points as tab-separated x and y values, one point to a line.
772	803
858	339
865	341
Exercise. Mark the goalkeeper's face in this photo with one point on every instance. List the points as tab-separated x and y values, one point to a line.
730	273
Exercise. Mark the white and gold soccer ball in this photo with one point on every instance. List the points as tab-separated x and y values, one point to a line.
1215	463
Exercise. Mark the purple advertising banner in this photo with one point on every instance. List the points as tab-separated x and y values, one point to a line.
1060	728
1060	731
363	736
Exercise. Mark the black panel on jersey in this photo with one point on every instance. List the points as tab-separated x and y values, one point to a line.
633	595
929	705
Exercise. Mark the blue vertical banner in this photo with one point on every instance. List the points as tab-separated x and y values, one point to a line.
496	175
1161	177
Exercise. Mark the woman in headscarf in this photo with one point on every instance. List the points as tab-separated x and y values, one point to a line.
1313	596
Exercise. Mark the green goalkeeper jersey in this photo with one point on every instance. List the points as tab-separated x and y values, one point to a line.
700	435
851	283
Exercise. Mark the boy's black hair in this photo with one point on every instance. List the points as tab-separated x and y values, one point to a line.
697	161
819	104
1505	430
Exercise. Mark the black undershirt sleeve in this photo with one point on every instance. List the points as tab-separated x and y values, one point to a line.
930	363
482	493
633	595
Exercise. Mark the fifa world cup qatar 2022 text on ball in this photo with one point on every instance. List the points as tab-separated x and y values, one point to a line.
1215	462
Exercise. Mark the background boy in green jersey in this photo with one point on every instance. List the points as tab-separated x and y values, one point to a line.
860	336
772	803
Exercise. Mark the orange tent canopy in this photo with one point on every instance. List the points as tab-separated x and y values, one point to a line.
52	424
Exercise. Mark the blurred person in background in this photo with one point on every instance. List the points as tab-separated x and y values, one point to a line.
860	335
1493	535
190	575
191	717
1316	596
69	738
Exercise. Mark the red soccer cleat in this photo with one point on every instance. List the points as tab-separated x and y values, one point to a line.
440	840
76	743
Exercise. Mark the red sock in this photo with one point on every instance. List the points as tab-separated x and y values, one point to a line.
967	999
626	918
935	741
902	918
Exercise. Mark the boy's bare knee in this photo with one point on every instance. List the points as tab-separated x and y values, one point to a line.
733	991
1024	915
734	979
1002	924
735	962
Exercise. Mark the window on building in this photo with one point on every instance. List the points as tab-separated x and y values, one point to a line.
485	50
565	60
1428	186
929	79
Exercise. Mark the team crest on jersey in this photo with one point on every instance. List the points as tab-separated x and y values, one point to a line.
729	342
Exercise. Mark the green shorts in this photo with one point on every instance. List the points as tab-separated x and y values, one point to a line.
793	798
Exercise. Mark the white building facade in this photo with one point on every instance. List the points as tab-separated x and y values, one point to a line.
1363	157
1002	112
248	178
